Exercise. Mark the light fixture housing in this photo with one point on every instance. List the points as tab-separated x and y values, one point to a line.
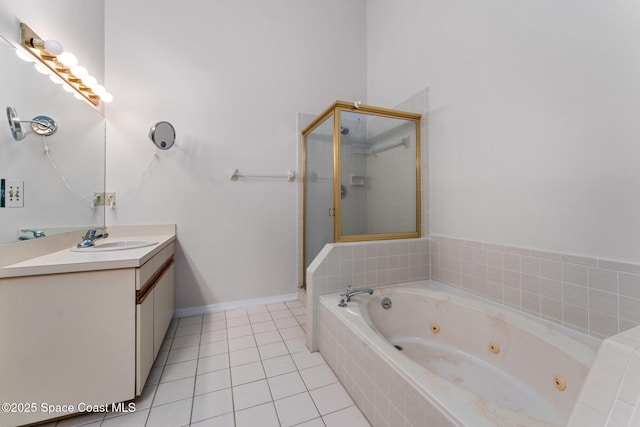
65	66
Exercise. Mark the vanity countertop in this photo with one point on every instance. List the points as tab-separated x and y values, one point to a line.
67	261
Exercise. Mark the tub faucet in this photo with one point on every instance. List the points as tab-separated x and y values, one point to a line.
90	237
346	297
36	234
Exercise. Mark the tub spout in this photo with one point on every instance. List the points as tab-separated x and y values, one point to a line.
346	297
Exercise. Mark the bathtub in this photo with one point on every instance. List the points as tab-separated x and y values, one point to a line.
441	357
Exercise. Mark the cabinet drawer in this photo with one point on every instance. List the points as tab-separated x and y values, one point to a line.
145	272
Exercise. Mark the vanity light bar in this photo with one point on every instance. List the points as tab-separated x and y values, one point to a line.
49	53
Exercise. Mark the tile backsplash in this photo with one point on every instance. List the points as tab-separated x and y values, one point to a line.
595	296
362	264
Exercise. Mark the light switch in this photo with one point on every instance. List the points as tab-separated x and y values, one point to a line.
11	193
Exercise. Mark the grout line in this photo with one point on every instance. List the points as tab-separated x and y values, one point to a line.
195	374
233	402
173	333
266	379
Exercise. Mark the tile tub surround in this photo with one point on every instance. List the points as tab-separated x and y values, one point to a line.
384	396
362	264
611	393
595	296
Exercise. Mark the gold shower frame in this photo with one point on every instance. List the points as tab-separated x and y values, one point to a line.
334	110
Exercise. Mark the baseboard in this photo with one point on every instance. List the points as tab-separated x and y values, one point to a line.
232	305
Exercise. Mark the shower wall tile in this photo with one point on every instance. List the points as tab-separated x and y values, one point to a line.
629	285
551	309
629	308
551	270
605	280
363	264
595	296
619	266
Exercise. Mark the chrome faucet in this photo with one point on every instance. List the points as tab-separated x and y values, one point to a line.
346	297
90	237
36	234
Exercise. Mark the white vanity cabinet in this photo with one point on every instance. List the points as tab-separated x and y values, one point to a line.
155	303
66	339
75	339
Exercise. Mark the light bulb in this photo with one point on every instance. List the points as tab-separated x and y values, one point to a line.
53	47
24	55
80	72
68	88
68	59
42	69
106	97
98	89
57	80
89	81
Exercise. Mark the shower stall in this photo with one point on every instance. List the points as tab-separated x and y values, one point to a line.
361	176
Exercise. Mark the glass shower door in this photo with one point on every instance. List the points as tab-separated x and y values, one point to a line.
318	196
379	177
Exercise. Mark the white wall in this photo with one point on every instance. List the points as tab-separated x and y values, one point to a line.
231	76
533	136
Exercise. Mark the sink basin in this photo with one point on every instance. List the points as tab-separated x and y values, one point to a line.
117	245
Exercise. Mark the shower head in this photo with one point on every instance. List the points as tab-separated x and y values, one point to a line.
344	130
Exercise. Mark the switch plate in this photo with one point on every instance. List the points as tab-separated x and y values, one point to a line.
110	199
102	199
12	193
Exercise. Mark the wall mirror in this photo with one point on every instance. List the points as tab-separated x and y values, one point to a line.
58	173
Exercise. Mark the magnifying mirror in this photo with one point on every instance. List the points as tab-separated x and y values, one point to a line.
14	124
163	135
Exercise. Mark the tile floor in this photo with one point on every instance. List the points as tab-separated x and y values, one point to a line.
244	368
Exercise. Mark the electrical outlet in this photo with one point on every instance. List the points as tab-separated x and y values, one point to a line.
104	199
98	199
110	199
11	193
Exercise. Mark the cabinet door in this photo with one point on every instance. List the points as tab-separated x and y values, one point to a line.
65	339
163	307
144	341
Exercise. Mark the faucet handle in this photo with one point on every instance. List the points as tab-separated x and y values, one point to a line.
343	300
91	233
349	289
